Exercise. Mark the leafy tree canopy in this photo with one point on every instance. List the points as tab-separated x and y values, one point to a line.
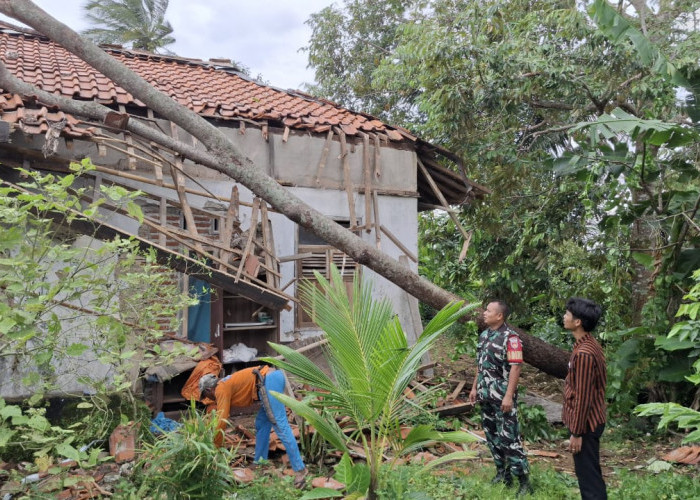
579	115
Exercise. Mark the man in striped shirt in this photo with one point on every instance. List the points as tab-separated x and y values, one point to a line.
584	410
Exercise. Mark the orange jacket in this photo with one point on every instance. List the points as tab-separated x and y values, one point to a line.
237	389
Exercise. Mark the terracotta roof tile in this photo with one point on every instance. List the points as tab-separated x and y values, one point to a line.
211	89
227	94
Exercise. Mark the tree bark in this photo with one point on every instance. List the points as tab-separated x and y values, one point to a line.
224	157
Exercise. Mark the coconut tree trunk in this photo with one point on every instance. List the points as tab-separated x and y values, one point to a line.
224	157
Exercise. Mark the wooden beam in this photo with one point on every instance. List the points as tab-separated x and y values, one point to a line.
324	156
368	182
147	180
347	181
163	216
251	235
377	157
296	256
440	197
398	243
269	262
186	211
230	220
308	347
101	230
377	224
465	247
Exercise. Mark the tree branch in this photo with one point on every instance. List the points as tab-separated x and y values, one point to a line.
224	157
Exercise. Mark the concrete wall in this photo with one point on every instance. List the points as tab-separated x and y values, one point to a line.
296	162
293	162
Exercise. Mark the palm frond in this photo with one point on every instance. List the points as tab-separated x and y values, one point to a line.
327	427
457	455
422	436
301	366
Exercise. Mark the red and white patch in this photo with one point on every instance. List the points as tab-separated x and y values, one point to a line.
515	350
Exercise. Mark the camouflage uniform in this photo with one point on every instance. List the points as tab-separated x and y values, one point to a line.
494	358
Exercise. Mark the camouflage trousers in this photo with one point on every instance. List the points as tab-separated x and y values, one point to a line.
503	438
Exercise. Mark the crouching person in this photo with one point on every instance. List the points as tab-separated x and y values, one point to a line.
242	388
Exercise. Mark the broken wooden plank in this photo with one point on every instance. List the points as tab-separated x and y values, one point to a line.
96	187
251	234
368	182
347	181
186	210
147	180
129	141
377	223
101	230
230	221
398	243
465	246
457	390
269	262
455	409
273	254
440	197
324	156
163	216
296	256
308	347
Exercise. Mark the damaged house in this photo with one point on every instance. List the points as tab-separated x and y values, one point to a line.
216	235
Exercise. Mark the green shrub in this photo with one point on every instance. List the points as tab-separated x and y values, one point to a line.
533	423
186	463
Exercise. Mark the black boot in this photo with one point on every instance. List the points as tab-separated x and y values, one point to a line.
503	476
525	486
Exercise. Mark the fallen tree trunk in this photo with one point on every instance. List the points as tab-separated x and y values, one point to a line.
224	157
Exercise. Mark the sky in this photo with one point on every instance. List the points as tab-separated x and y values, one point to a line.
264	35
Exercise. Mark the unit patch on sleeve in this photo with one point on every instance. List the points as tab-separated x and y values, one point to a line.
515	349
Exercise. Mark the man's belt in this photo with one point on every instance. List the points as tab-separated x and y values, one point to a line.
264	398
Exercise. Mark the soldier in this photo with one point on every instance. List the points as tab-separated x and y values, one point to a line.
499	362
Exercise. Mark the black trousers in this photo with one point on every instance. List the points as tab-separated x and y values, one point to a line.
587	465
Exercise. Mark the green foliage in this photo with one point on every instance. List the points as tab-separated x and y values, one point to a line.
573	120
534	425
617	27
371	364
70	300
270	488
347	44
136	24
684	337
683	417
415	482
186	463
312	446
665	485
26	434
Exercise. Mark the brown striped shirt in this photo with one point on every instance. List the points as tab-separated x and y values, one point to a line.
584	391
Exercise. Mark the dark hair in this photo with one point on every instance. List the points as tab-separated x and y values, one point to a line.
505	310
586	310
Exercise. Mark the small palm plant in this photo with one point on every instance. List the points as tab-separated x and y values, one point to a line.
372	365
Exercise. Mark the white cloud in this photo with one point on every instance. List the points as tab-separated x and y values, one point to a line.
265	35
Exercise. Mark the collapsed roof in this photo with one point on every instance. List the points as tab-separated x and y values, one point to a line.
214	89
